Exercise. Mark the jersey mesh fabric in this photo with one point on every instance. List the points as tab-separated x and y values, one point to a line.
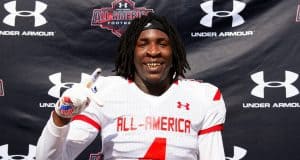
136	125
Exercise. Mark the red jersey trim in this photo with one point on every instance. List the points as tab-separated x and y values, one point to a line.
215	128
218	95
130	81
87	120
176	82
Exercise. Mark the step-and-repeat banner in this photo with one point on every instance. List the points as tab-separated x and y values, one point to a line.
248	48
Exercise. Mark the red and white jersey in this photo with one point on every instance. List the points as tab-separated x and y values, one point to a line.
183	123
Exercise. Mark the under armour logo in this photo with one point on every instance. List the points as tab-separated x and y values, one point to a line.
186	105
58	85
1	88
298	13
123	5
29	156
39	20
207	7
238	153
290	90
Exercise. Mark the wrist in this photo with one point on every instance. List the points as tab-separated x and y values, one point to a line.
60	121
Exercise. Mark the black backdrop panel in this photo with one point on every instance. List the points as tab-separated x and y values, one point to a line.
248	48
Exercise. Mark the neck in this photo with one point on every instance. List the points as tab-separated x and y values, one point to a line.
155	89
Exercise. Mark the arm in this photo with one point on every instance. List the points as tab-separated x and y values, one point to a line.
211	146
60	139
210	141
60	121
64	142
52	141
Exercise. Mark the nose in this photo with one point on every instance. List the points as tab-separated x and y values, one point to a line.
153	50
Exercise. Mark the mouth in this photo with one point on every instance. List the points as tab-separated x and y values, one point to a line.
153	66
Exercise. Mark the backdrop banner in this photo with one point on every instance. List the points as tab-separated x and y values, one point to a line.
248	48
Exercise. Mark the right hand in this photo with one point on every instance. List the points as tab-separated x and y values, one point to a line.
72	102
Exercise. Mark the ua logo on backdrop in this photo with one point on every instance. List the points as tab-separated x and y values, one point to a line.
10	19
290	78
4	153
56	80
238	153
1	88
207	7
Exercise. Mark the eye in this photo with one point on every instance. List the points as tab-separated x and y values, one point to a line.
141	43
163	44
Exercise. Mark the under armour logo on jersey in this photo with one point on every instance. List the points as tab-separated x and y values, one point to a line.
58	85
29	156
39	20
238	153
186	105
207	7
94	89
123	5
290	90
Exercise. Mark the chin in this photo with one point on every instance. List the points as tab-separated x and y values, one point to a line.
157	79
153	80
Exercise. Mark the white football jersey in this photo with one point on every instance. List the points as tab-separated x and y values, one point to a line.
183	123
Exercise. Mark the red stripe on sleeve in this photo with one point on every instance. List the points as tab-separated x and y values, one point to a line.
217	95
219	127
87	120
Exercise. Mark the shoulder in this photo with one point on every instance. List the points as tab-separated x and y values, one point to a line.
111	79
200	88
108	82
206	102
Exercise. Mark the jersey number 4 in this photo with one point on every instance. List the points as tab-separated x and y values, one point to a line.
157	150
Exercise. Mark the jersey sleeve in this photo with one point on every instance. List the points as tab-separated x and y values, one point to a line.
215	111
67	142
209	136
51	142
211	146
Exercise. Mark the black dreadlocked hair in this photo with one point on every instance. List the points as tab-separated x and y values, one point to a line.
124	65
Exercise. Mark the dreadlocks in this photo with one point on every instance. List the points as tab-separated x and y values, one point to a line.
124	65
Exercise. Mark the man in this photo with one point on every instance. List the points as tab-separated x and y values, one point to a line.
149	111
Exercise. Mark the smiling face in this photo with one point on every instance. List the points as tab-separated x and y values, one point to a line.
153	58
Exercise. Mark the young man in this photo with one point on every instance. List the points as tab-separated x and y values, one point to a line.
149	111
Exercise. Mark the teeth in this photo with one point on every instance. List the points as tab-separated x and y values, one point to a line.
153	64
